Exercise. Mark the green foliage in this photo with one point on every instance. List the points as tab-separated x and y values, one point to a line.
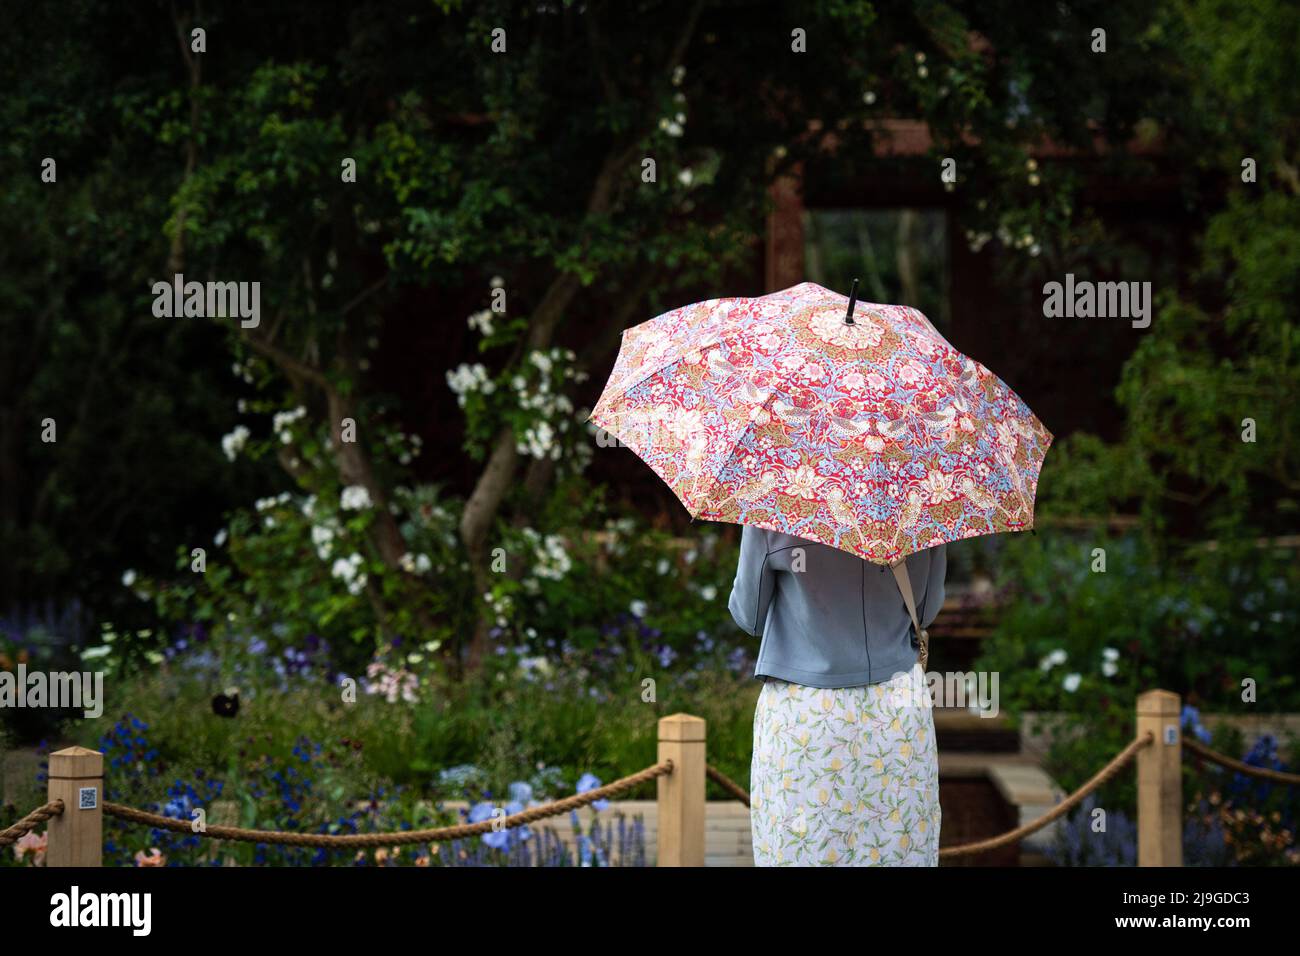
1202	625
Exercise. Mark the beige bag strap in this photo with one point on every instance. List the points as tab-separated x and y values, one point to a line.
905	586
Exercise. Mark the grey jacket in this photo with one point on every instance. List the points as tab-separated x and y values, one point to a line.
827	617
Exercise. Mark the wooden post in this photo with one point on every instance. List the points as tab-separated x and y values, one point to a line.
681	793
76	836
1160	780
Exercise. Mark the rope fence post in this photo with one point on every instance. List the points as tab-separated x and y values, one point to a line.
76	836
681	793
1160	780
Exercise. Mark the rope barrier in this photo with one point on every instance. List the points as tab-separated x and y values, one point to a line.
30	822
402	838
1014	836
1264	773
365	840
726	783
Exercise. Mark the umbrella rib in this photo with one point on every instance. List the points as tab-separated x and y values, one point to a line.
749	427
623	390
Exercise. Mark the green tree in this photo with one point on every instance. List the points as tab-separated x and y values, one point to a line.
528	160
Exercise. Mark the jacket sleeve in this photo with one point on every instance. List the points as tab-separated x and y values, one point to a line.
751	595
934	595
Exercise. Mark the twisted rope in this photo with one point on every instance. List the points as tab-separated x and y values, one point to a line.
1014	836
726	783
366	840
30	822
1264	773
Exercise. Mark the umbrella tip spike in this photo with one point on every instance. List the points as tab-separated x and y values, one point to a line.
853	301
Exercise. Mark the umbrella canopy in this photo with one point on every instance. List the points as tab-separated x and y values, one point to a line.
875	437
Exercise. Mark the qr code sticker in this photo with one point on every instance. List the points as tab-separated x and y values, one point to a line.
89	798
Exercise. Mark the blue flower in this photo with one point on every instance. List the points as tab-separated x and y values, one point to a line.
590	781
521	792
1191	720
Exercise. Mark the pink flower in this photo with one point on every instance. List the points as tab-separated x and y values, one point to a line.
924	344
911	372
812	372
33	844
768	343
874	442
876	383
155	858
854	381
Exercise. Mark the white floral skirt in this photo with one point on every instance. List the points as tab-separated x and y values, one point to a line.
845	776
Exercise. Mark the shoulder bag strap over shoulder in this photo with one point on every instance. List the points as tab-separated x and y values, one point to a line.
905	586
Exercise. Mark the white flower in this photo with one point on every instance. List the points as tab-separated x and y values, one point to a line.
322	537
281	421
638	608
219	538
234	443
347	570
497	282
539	441
469	378
1110	654
1109	668
1071	682
482	321
663	566
415	563
128	578
685	177
1051	660
708	592
355	498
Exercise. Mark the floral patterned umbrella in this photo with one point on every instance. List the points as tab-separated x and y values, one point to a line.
876	437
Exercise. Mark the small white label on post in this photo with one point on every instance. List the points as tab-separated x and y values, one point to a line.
89	798
1171	734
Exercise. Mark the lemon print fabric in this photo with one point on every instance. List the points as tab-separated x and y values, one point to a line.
845	776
